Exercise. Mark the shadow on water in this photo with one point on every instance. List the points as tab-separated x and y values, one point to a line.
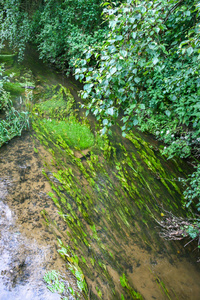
105	202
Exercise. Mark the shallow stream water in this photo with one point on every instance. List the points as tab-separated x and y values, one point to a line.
107	224
27	248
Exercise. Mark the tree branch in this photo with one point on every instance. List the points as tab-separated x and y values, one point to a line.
172	9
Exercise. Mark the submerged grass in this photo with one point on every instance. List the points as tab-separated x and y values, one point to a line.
55	117
72	132
14	88
99	194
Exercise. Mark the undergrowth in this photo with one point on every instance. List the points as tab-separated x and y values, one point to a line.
12	122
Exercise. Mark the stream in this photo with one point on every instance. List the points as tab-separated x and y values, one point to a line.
97	206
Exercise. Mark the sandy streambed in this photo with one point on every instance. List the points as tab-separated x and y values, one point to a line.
27	248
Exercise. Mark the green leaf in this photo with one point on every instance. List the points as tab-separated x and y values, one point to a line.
113	70
143	9
80	285
157	29
124	134
122	281
135	121
83	259
88	86
88	55
103	131
190	50
137	79
124	53
105	122
142	106
79	275
134	34
155	60
71	290
119	38
110	111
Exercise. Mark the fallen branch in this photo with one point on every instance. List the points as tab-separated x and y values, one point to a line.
177	228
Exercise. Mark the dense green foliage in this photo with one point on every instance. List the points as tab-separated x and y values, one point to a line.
12	122
60	29
148	68
192	193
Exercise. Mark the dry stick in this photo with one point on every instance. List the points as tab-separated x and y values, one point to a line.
190	242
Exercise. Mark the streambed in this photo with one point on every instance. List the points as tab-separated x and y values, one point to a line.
27	248
100	203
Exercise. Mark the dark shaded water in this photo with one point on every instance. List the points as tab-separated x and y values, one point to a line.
121	236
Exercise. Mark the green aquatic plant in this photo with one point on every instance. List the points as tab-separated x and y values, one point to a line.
57	118
72	132
55	283
99	292
73	265
162	286
98	194
109	149
125	284
59	103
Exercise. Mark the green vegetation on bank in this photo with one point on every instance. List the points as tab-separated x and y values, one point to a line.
60	29
149	69
12	122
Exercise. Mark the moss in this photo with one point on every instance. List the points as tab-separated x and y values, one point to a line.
13	71
14	88
72	132
7	59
